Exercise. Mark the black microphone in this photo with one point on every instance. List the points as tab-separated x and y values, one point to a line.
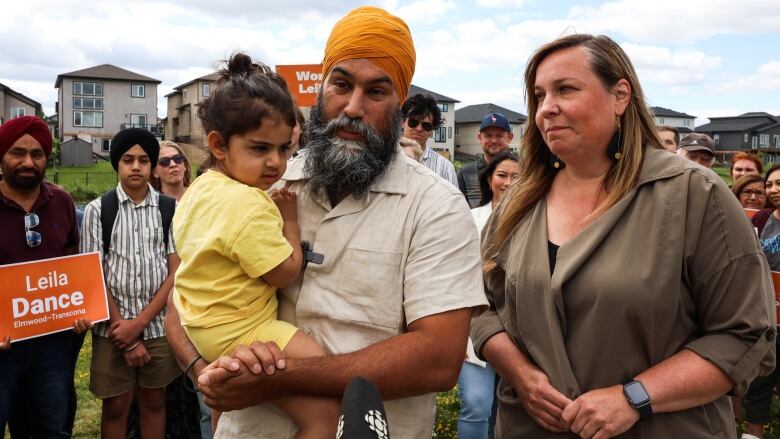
362	412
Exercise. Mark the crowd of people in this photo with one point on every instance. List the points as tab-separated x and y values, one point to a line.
591	285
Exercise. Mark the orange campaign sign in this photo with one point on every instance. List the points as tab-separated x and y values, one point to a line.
303	80
47	296
751	212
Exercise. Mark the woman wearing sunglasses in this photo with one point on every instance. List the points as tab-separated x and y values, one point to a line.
172	175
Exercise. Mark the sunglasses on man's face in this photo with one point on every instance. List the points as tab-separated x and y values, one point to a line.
34	238
166	161
412	122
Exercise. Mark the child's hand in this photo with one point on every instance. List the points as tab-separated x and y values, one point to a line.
260	357
5	343
81	326
286	201
125	332
138	356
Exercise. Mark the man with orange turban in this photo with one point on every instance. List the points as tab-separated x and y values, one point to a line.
394	270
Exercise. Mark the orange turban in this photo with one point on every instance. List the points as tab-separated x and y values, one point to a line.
376	35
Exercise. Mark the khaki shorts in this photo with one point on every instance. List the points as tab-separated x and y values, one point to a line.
111	376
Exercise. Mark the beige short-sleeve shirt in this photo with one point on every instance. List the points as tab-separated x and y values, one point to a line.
407	250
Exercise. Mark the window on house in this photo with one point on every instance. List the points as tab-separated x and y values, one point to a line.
661	120
88	103
17	111
205	89
457	130
137	90
92	119
746	138
443	107
105	145
754	144
87	88
440	135
138	120
777	141
716	138
449	132
764	140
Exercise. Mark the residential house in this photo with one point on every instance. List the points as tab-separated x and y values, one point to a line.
14	104
682	121
100	101
754	131
182	123
443	139
467	122
53	122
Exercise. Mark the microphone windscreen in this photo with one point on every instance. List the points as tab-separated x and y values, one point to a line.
362	412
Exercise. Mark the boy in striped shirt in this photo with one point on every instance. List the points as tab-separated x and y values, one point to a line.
130	353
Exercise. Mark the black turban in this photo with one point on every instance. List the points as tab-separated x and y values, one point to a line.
126	139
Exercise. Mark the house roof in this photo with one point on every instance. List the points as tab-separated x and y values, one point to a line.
475	113
665	112
752	121
9	91
105	71
211	77
413	90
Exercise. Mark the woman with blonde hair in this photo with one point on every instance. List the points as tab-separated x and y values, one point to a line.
172	175
611	267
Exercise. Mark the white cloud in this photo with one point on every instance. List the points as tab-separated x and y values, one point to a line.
420	11
671	67
767	77
502	3
675	21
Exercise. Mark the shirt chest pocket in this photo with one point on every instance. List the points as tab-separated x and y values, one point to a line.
371	289
152	239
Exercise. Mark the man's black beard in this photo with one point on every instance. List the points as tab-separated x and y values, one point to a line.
335	167
22	183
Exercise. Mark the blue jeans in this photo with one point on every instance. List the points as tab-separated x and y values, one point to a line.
42	369
205	418
476	400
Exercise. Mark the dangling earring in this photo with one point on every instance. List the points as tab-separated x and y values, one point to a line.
555	162
613	151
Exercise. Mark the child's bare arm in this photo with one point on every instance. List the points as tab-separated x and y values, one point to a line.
284	274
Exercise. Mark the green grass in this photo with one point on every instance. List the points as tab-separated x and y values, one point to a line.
84	183
87	423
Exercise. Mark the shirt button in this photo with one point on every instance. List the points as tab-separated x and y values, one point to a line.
313	275
307	331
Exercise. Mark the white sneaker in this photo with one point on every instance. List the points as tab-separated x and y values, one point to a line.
749	436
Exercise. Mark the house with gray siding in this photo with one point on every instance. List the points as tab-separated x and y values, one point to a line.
666	117
14	104
100	101
467	122
753	132
442	140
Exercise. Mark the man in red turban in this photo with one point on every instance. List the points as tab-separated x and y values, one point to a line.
38	221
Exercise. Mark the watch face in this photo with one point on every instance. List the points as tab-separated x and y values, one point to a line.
636	394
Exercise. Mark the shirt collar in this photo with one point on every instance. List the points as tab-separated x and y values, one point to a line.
426	153
152	197
43	196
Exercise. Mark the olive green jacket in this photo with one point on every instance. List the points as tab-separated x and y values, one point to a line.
674	265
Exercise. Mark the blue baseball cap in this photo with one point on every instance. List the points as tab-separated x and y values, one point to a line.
495	120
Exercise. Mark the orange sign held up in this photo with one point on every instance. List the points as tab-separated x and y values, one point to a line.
304	82
751	212
47	296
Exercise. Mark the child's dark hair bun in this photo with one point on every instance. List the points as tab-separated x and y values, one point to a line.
240	64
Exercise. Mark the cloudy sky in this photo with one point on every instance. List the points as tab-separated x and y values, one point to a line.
701	57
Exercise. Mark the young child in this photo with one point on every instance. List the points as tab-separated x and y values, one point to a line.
130	353
238	244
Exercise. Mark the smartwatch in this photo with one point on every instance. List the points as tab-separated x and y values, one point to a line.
638	398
